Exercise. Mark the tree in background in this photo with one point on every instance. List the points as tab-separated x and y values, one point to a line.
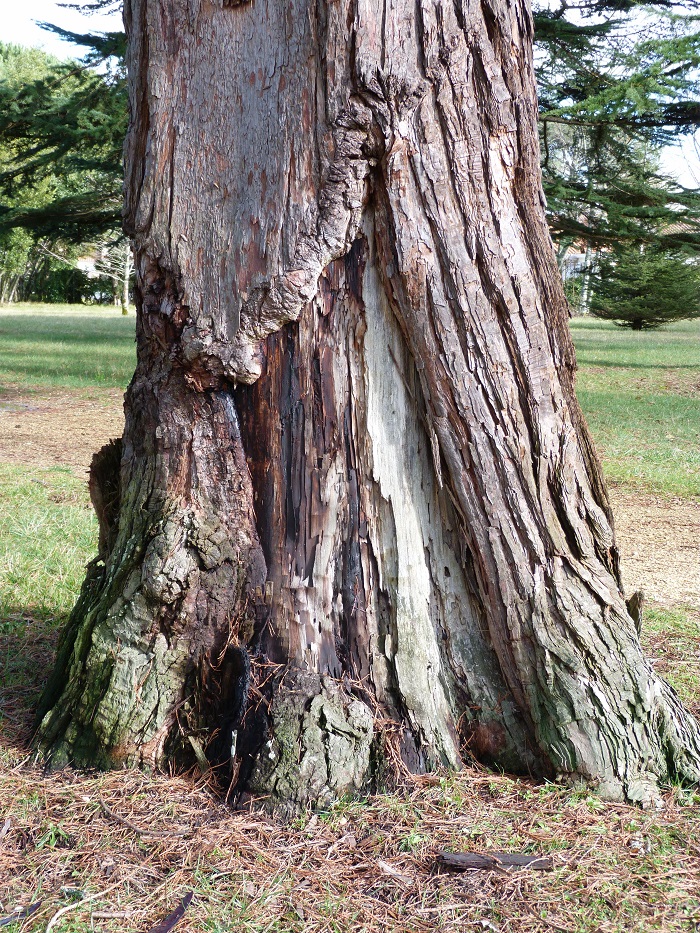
62	126
616	83
645	288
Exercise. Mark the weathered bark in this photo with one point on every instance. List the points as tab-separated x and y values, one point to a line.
419	552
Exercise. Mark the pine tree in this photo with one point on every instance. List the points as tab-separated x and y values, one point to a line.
644	288
616	82
62	133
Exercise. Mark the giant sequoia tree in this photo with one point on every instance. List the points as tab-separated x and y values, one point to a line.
356	511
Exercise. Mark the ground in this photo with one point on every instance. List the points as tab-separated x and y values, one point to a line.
53	427
122	850
659	539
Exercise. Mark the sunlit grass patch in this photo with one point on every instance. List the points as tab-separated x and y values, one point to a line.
640	393
48	532
65	345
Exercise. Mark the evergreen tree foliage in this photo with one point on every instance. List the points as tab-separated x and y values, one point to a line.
644	288
61	132
617	82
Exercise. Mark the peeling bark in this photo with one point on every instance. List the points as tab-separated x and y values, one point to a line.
358	502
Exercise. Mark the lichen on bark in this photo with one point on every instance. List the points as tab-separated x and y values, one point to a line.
319	747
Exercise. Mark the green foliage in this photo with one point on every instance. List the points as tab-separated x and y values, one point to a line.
15	251
62	126
616	83
644	288
617	80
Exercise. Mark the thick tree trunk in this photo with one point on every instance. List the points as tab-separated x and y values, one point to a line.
418	555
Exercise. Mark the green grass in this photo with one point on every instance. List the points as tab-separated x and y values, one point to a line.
671	638
640	393
65	345
48	532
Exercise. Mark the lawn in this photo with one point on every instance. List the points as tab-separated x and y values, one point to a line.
67	346
47	527
119	851
640	392
47	534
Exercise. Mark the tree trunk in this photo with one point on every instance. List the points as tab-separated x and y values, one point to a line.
126	277
358	513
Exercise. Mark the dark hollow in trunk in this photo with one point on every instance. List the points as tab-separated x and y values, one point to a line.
359	515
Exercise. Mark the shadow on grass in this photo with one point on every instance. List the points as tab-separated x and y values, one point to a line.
612	363
69	373
27	649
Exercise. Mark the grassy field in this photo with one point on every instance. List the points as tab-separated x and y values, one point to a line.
640	391
47	528
47	534
67	346
364	865
641	395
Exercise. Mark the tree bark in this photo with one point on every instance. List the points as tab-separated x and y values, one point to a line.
360	514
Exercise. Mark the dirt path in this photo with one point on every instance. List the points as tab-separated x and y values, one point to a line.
659	541
659	538
58	427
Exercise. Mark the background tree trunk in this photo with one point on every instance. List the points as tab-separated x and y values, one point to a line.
418	556
127	269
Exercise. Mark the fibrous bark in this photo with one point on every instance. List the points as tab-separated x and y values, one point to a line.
358	505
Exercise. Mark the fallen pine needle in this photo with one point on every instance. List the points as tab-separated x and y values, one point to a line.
157	833
92	897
